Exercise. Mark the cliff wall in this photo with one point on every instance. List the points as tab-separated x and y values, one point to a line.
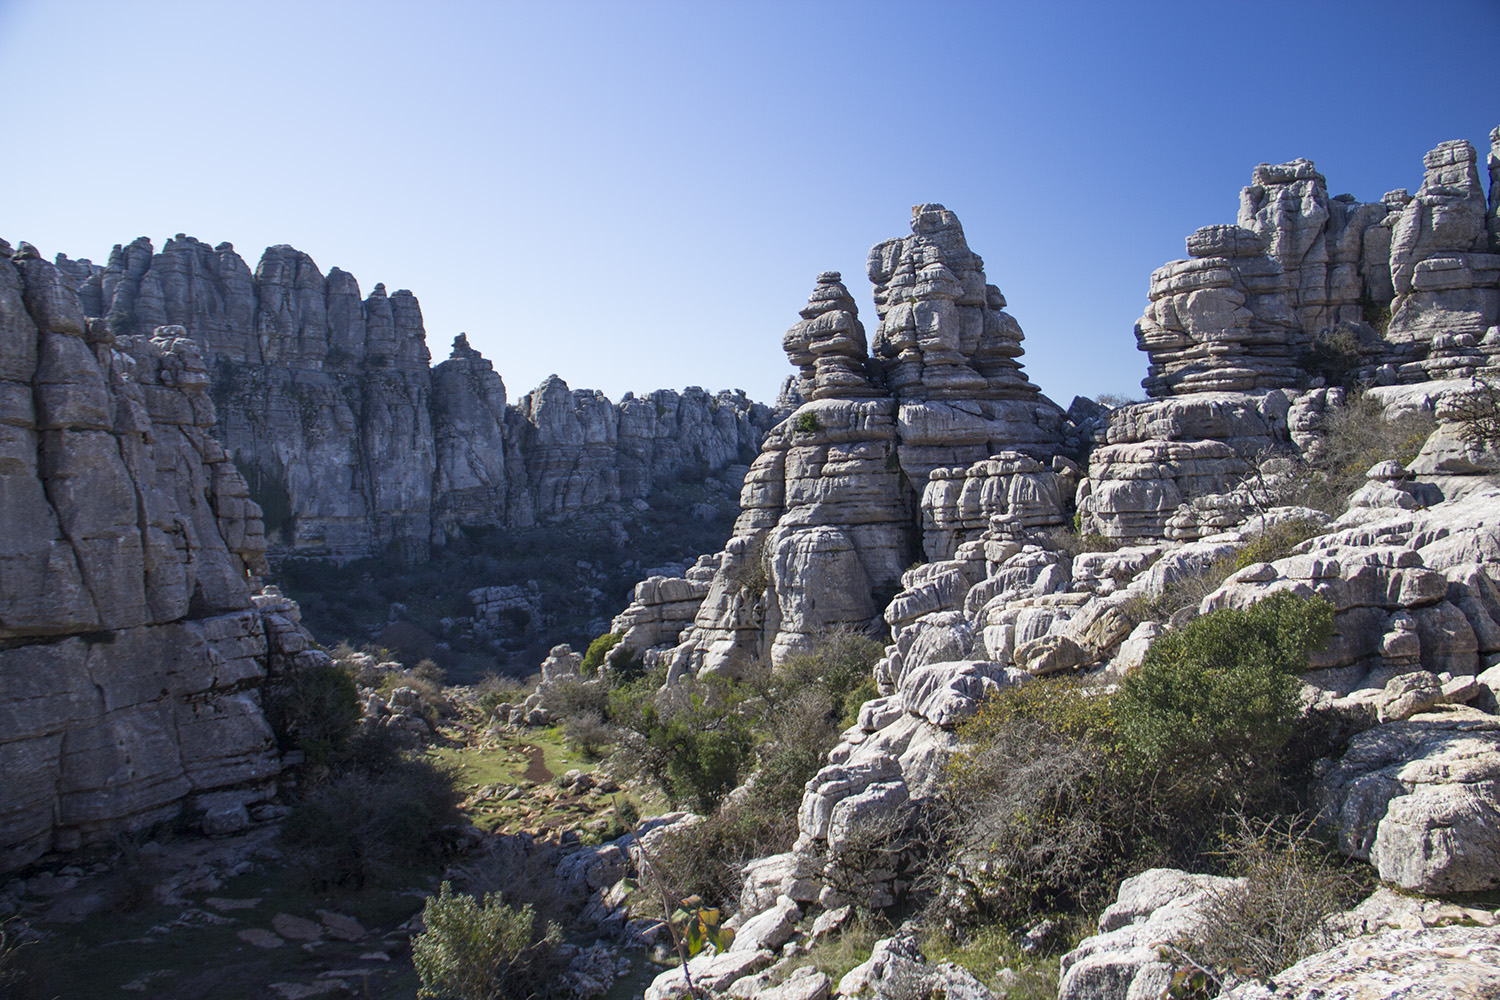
131	648
353	445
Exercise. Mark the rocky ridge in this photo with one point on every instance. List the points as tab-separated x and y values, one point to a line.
353	445
829	512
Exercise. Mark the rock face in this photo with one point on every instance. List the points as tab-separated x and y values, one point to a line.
353	445
1420	800
1409	285
1398	276
131	650
829	512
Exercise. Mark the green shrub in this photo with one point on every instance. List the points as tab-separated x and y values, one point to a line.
1214	702
594	657
483	950
690	739
1057	792
808	423
314	711
1276	541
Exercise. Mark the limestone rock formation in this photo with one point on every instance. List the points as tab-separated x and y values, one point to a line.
829	511
353	445
1397	275
132	650
1418	799
1124	960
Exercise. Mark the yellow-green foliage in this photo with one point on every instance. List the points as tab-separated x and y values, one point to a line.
1276	541
598	649
481	950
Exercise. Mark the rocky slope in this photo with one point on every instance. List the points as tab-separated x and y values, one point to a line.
1407	288
353	445
132	646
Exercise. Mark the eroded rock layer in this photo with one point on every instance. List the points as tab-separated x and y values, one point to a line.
830	512
1397	277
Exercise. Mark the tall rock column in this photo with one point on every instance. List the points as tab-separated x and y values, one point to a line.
948	352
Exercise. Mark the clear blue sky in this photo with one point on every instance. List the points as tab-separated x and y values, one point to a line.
639	195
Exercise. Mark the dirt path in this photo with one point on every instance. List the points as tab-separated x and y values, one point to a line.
536	768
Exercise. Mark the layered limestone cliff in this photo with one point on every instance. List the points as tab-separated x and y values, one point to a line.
353	445
132	650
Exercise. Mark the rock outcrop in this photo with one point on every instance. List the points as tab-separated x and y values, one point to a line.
830	509
132	648
353	445
1243	311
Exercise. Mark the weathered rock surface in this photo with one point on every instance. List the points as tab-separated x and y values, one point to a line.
1412	280
132	650
829	508
352	444
1436	963
1420	800
1124	960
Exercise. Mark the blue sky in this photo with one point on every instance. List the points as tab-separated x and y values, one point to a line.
640	195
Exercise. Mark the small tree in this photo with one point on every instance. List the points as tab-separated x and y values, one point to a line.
1215	701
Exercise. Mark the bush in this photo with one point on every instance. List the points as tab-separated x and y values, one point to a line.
1293	884
368	823
483	950
1354	438
808	423
1057	792
314	711
593	659
1276	541
691	738
1334	356
1214	702
1477	411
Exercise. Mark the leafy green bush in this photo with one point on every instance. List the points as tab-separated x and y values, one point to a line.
483	950
1215	701
808	423
314	711
594	657
689	738
1057	791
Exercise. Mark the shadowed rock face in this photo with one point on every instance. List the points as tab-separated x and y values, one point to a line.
353	445
131	652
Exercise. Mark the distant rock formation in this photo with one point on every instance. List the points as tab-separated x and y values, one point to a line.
353	445
132	649
830	510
